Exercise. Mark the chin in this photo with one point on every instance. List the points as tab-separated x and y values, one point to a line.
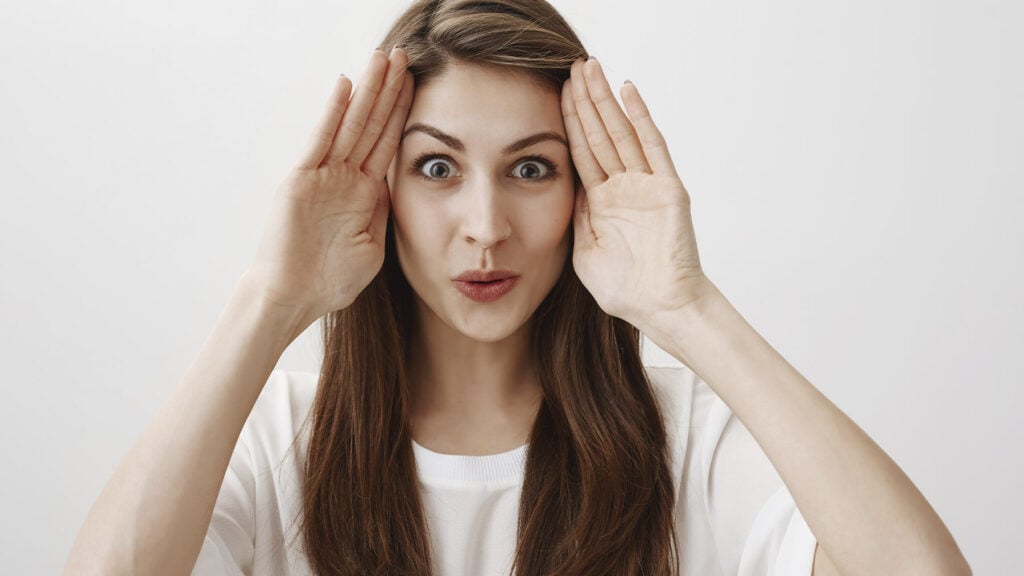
483	329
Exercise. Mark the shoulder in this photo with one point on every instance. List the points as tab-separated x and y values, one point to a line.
694	418
733	510
702	420
280	413
288	388
683	396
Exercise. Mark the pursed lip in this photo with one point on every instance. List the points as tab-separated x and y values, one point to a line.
484	275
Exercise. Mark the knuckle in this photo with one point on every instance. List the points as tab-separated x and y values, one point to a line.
596	136
375	125
580	150
653	143
372	90
387	141
603	96
622	135
355	125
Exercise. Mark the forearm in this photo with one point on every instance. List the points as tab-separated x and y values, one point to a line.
153	513
866	513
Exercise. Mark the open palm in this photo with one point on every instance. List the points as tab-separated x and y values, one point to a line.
325	240
635	249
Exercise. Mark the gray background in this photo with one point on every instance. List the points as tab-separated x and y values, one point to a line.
855	170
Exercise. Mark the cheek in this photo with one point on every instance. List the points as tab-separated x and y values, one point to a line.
415	226
549	220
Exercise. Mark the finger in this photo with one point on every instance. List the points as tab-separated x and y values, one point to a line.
618	125
324	133
354	122
583	232
651	139
382	108
593	127
376	164
587	167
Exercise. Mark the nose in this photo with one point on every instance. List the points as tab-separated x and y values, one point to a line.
486	221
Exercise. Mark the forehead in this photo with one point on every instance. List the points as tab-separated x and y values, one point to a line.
482	105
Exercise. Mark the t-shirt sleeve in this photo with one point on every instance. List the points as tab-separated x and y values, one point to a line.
229	545
756	527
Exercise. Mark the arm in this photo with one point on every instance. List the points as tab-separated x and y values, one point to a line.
322	247
635	250
864	511
153	513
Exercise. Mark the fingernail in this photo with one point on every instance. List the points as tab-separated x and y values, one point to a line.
627	82
342	75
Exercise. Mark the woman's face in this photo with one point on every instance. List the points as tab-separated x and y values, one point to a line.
482	182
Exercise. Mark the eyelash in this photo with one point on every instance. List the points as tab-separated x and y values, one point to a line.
422	160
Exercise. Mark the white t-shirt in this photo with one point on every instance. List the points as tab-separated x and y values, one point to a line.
737	517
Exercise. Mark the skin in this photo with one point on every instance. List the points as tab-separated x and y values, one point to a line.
634	250
323	244
485	208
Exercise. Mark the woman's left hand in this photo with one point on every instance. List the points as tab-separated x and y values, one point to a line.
635	249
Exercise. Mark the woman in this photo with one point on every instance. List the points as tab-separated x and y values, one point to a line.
482	406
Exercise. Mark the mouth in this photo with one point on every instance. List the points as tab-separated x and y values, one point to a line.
486	290
485	275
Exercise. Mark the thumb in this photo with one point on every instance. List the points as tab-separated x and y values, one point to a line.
379	220
582	230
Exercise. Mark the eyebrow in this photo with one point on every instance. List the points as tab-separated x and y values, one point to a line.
456	144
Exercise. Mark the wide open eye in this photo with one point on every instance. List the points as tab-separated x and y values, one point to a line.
533	169
434	167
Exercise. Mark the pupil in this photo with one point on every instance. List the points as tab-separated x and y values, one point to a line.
438	170
529	171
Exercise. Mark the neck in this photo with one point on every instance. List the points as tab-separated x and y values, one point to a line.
464	388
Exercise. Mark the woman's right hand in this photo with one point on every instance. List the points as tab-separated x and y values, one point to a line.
325	239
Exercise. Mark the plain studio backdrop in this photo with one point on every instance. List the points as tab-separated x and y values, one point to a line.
854	167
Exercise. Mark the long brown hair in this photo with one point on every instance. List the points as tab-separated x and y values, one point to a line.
597	494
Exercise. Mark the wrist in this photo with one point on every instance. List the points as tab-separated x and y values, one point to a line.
287	319
674	326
